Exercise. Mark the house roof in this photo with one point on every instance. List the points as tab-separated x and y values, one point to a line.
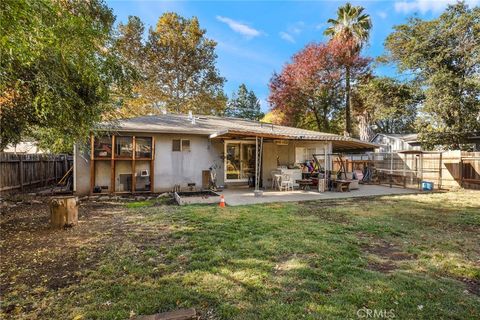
407	137
227	127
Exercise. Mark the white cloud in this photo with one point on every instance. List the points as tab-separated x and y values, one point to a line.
239	27
292	30
286	36
424	6
382	14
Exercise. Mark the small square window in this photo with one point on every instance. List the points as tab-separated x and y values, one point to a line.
185	145
176	145
180	145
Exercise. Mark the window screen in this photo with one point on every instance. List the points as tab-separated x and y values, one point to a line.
185	145
176	146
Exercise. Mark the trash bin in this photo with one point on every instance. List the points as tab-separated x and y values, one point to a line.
427	186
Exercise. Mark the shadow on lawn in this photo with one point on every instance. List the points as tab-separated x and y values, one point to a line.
278	261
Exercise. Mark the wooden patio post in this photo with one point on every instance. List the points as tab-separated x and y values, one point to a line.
112	167
134	177
92	163
152	166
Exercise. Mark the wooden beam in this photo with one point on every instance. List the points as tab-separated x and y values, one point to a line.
112	166
152	167
134	177
92	163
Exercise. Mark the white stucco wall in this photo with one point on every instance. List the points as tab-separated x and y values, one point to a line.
184	167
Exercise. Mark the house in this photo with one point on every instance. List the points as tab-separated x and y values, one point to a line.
24	147
158	152
390	142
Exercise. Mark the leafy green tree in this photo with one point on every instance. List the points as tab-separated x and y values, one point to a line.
180	67
352	26
131	48
244	104
385	105
56	70
443	55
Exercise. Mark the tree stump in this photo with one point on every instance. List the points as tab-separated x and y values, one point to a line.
63	211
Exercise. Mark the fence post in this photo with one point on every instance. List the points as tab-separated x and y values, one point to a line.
55	167
44	166
440	171
21	172
461	172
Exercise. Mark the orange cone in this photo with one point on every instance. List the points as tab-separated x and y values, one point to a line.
222	201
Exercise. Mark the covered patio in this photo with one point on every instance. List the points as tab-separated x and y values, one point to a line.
245	196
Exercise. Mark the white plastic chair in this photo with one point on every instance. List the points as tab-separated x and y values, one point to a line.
278	181
286	182
274	173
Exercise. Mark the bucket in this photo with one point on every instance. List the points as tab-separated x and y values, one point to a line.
427	186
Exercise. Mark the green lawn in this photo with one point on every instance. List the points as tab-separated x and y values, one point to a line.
414	256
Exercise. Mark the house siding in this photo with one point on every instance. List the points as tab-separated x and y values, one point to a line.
171	168
393	144
181	168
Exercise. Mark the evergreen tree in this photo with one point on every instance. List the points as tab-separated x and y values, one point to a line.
244	104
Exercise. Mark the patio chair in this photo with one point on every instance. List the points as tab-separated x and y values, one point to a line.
274	180
278	181
286	182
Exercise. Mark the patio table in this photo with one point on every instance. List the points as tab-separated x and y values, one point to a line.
304	184
342	185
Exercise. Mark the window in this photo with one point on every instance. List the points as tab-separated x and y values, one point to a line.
180	145
123	147
303	154
103	147
185	145
143	148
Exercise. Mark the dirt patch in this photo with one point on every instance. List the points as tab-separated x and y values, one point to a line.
324	213
35	255
384	267
387	251
473	285
386	255
37	259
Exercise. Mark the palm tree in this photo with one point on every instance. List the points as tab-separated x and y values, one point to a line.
351	25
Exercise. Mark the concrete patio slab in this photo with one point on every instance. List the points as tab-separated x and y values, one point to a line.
244	196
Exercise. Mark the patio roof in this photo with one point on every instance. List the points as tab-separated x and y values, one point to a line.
227	127
340	143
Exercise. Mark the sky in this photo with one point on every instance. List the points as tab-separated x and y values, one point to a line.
256	38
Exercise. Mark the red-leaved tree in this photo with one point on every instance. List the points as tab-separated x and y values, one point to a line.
309	90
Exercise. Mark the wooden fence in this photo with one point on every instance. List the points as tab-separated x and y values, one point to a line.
451	169
21	171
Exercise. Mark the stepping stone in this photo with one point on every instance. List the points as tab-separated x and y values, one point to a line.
182	314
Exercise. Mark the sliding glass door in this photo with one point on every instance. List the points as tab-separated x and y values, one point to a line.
239	160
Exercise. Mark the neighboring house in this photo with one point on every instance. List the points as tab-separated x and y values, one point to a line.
26	147
156	153
390	142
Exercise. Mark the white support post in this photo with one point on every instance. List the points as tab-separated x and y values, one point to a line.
256	163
